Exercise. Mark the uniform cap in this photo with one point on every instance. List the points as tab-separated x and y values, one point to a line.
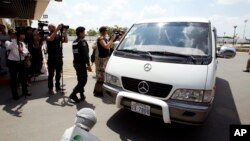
79	29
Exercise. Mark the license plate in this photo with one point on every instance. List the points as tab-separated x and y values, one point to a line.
140	108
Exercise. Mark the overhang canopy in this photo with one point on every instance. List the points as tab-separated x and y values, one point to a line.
23	9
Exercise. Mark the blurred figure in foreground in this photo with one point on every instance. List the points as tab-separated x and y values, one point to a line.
85	120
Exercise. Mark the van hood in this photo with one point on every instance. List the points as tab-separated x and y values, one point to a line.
187	76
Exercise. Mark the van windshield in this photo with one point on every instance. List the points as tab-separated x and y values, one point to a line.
186	38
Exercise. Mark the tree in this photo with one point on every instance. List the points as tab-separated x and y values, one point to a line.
115	28
92	32
71	32
111	30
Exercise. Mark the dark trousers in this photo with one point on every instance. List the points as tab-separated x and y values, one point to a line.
52	68
18	73
81	73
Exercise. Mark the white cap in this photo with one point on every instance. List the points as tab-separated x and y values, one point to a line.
86	118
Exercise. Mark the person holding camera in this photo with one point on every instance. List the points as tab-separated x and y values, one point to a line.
17	58
55	55
104	52
81	63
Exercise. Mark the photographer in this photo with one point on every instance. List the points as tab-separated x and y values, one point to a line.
55	54
103	57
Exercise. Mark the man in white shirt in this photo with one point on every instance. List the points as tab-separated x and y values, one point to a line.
16	57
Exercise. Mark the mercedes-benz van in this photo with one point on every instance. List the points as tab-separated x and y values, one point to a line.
166	68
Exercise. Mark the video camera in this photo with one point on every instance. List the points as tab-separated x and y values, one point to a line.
64	27
117	32
41	25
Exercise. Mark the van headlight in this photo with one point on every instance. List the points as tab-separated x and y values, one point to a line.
111	79
193	95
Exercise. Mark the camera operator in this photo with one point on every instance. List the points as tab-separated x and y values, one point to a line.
55	55
103	57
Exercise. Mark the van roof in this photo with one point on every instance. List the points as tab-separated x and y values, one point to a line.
175	19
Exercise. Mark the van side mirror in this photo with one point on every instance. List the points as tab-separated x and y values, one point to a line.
226	52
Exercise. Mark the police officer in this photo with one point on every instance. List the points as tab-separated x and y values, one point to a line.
81	64
85	120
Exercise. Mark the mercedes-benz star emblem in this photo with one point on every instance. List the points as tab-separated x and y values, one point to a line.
143	87
147	67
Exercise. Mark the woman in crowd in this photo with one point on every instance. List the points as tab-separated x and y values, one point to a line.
35	50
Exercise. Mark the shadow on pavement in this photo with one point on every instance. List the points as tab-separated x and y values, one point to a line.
62	100
135	127
55	100
15	108
84	104
38	90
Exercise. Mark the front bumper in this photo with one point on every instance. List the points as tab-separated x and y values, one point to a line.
177	111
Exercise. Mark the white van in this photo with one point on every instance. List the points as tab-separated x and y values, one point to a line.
166	68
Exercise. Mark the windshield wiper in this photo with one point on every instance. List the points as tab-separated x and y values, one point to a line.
168	53
134	51
139	52
190	58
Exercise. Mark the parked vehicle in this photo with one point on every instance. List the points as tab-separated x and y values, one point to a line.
166	68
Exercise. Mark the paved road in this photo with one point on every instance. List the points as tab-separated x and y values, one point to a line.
43	117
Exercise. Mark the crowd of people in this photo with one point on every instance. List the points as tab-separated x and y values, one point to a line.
25	57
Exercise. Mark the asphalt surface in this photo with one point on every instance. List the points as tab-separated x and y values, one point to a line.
43	117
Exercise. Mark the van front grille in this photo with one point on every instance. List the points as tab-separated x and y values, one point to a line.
154	89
